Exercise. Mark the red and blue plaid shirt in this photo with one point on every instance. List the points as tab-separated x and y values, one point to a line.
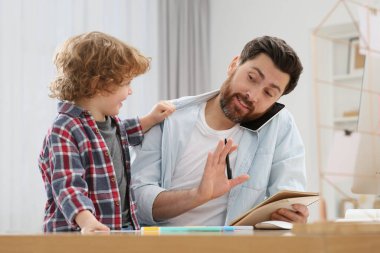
77	170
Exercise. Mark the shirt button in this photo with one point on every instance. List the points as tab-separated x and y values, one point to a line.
106	153
112	179
117	203
96	130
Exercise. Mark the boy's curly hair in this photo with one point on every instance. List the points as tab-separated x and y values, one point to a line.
93	62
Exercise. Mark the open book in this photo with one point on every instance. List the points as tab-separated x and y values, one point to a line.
282	199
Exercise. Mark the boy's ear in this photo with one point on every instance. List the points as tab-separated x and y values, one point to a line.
233	65
94	83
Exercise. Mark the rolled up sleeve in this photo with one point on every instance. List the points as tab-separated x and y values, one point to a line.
70	190
147	174
134	131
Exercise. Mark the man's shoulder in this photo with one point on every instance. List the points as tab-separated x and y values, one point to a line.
285	115
188	101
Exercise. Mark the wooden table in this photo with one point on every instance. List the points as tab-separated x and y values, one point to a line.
251	241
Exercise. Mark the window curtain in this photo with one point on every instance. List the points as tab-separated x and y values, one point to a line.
30	30
183	42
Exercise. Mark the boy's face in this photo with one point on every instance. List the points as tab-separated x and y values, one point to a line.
109	104
251	88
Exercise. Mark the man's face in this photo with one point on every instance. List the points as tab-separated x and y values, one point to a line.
251	88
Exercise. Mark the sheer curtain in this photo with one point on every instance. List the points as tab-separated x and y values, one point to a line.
183	47
30	30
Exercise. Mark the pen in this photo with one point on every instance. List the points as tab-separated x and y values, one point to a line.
229	172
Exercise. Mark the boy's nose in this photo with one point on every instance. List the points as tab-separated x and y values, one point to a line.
130	91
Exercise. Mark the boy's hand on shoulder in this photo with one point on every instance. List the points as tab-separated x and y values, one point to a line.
159	112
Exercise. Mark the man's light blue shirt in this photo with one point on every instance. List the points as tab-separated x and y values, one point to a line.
272	155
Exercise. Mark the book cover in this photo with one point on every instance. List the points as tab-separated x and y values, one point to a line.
282	199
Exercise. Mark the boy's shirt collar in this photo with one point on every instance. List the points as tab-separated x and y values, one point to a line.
71	109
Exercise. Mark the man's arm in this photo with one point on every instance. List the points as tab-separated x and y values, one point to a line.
157	204
214	184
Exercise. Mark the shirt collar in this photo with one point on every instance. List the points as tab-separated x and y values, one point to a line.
254	125
70	109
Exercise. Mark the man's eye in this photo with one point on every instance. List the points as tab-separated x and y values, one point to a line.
251	78
269	94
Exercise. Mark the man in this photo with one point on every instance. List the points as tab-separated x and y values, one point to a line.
179	178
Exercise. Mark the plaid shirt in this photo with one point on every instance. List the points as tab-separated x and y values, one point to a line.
78	173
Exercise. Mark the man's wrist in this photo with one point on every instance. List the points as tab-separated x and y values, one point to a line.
198	198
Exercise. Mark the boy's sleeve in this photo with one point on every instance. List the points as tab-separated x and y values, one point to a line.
70	190
134	131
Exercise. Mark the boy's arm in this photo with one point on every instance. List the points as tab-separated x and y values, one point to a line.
134	131
88	223
159	112
68	185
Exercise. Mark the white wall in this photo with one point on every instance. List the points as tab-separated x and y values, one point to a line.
30	30
234	23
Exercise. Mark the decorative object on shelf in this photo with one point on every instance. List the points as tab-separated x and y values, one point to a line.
351	113
355	58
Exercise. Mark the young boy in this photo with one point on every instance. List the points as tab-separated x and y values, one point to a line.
85	162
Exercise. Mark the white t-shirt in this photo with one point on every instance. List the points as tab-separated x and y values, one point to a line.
189	171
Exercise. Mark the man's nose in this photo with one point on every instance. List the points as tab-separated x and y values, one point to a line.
252	95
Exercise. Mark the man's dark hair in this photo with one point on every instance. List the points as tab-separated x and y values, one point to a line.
282	55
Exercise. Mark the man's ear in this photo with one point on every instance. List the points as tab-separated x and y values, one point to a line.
233	65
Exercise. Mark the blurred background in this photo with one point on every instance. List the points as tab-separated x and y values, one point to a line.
191	43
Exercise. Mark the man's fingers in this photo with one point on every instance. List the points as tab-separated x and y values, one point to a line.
301	209
233	148
276	216
217	152
209	161
293	216
238	180
225	151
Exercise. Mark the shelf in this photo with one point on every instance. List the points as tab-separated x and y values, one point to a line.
352	119
338	31
348	77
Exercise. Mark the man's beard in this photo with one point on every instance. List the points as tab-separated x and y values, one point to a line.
232	112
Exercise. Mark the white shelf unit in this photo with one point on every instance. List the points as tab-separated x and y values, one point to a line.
338	92
338	89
